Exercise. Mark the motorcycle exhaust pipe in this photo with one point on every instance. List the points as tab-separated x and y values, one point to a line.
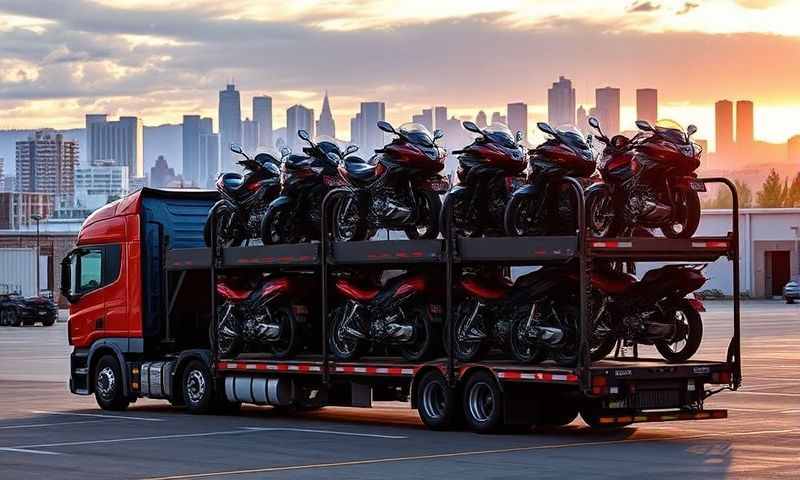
547	335
400	332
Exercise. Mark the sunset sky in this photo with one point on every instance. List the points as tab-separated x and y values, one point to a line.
60	59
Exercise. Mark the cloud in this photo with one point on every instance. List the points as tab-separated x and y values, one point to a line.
758	4
643	7
687	7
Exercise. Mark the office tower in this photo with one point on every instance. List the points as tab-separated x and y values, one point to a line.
250	139
647	104
561	103
723	113
425	118
518	118
262	113
90	119
326	125
161	175
46	164
208	160
97	185
298	118
497	118
230	125
193	127
2	168
439	117
371	136
355	129
744	123
607	105
582	120
120	142
480	119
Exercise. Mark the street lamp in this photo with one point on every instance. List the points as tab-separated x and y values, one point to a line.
37	219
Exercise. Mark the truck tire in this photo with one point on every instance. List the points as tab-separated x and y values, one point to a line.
49	322
483	403
108	388
437	403
197	388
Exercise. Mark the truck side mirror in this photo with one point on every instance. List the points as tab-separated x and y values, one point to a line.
66	277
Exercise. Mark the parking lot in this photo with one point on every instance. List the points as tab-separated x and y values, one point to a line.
45	432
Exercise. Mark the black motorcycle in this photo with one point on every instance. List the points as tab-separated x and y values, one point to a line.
400	314
398	189
546	205
490	169
244	199
650	311
295	216
533	318
270	316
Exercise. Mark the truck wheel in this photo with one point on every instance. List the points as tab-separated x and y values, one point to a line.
5	321
437	403
198	388
108	389
49	322
483	403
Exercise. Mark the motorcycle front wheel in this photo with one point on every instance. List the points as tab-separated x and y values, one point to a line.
343	347
688	334
429	205
566	355
228	339
466	350
348	223
425	340
522	350
684	223
520	216
465	223
226	234
277	225
288	342
600	215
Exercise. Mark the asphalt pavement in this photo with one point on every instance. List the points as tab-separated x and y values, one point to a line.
45	432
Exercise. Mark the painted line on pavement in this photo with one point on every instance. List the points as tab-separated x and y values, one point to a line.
124	417
461	454
27	450
328	432
38	425
767	394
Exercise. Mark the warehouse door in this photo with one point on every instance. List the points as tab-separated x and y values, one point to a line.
777	272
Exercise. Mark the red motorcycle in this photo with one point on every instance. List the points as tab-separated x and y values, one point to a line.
398	189
546	206
490	169
400	314
269	314
648	181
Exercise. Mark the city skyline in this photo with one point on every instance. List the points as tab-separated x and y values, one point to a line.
175	66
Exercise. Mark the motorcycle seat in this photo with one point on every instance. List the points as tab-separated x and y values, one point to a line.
485	290
359	169
356	292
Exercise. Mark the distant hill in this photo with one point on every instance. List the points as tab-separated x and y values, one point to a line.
159	140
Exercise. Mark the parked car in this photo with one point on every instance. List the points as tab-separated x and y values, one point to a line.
16	310
791	291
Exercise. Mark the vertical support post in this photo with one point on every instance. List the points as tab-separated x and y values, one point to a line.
324	253
584	265
450	323
212	270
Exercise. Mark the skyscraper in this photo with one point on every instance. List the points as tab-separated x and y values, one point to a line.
723	113
90	119
480	119
582	120
161	175
744	123
230	125
209	159
120	142
371	136
518	118
647	104
561	103
425	118
193	128
298	117
46	164
355	129
250	138
497	118
262	113
326	125
439	117
607	105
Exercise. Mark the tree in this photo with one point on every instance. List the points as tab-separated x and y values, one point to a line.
771	194
793	196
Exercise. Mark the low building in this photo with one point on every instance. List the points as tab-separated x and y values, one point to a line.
17	208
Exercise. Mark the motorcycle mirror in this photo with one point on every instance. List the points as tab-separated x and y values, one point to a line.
350	149
236	148
471	127
594	123
546	128
518	136
437	134
386	127
691	130
304	135
643	125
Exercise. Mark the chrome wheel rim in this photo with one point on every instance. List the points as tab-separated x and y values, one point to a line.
434	400
106	382
481	402
195	386
681	326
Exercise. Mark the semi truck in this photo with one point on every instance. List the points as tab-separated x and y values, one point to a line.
142	289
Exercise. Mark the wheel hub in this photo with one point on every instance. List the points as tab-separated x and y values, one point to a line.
195	386
481	402
106	381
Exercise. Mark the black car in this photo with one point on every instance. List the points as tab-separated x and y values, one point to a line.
16	310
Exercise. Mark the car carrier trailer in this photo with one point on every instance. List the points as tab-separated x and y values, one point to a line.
163	347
